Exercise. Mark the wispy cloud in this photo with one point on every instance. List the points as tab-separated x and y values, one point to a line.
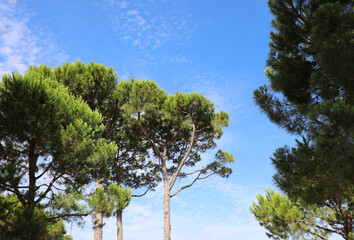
21	46
193	216
151	24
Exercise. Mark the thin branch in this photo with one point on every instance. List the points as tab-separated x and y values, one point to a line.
49	188
301	18
15	191
201	129
180	165
149	139
60	189
129	158
141	194
186	174
202	178
70	215
333	208
323	228
189	185
50	164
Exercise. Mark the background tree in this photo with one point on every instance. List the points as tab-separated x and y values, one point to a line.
285	219
98	86
111	200
15	225
50	143
179	128
311	92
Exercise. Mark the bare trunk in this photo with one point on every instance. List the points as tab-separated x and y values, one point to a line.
98	232
166	198
166	212
119	212
119	225
32	181
32	178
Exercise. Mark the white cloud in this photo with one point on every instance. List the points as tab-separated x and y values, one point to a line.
20	46
193	215
150	24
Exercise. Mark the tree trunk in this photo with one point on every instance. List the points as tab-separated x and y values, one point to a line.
166	212
98	232
119	212
119	225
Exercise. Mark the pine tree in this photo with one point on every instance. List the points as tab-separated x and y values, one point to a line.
179	128
98	86
311	95
286	219
14	224
50	144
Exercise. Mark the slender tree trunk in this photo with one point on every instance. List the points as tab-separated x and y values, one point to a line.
166	212
166	199
32	181
119	225
32	178
119	212
98	232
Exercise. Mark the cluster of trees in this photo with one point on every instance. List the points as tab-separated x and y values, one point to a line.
311	95
64	129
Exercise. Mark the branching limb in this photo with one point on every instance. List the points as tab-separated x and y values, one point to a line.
186	174
189	185
141	194
50	164
69	215
49	188
147	136
42	185
180	165
15	191
323	228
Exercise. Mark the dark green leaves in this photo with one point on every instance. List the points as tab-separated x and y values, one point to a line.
47	133
311	95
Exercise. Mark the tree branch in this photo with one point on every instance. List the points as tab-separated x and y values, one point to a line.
15	191
69	215
149	139
180	165
189	185
49	188
141	194
186	174
50	164
323	228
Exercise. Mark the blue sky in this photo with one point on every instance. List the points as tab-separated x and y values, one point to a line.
216	48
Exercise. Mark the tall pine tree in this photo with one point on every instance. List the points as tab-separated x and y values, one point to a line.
311	74
98	86
179	129
50	148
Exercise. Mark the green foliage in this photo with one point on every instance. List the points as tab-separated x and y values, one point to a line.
15	224
47	133
310	69
168	122
285	219
98	86
311	95
111	200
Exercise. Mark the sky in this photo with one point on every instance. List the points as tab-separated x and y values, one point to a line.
216	48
